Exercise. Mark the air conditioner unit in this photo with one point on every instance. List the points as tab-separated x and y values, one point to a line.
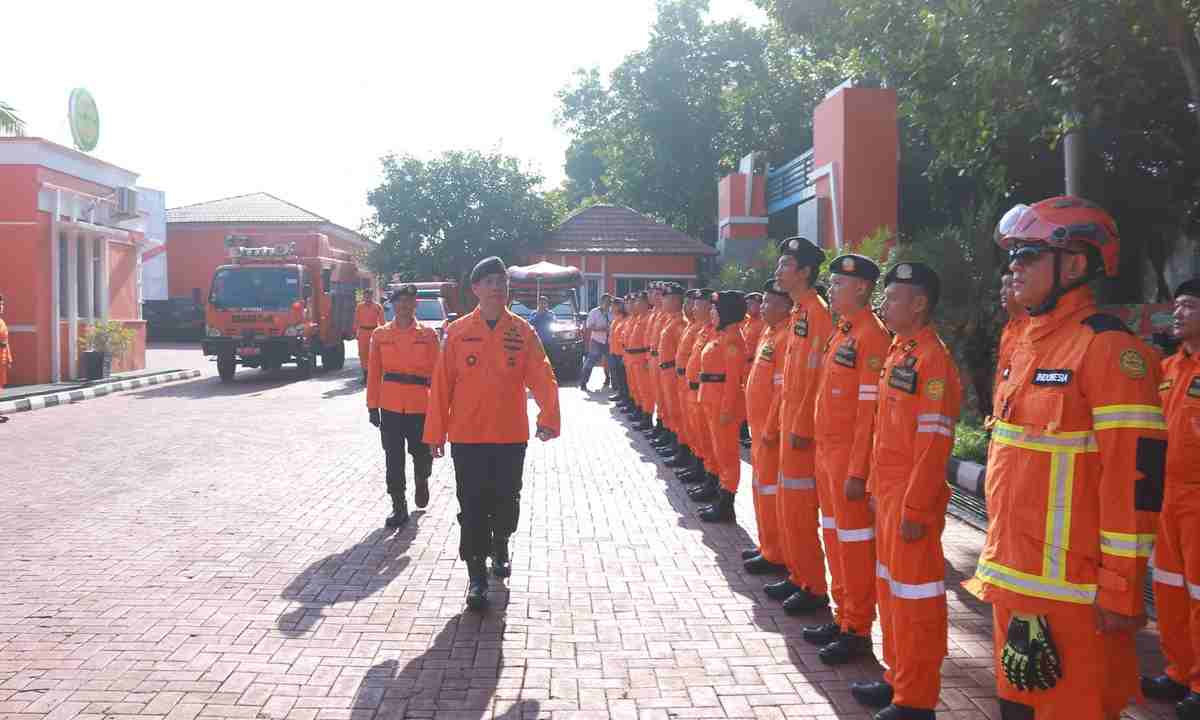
127	202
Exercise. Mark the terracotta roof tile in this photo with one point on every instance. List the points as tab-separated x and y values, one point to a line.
615	230
255	207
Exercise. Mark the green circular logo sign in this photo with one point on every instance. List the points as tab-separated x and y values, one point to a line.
85	119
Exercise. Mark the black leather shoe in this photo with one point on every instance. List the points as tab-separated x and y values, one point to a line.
900	712
821	635
872	694
399	515
759	565
752	552
1162	687
704	493
422	492
682	459
643	425
781	590
501	562
477	589
847	648
1189	707
692	478
720	511
805	603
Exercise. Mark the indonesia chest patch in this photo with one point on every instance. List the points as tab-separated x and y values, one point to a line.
903	379
846	355
1057	377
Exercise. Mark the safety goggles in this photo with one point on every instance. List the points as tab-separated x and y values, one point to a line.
1029	253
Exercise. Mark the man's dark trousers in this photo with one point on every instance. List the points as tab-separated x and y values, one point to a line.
488	477
397	430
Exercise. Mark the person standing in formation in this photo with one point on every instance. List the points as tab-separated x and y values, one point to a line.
702	471
723	398
403	354
664	369
1075	475
616	347
368	315
846	401
684	456
477	401
790	424
764	379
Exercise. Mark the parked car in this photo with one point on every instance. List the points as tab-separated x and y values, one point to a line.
564	346
431	312
179	318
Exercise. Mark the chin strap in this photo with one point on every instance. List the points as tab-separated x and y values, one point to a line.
1059	289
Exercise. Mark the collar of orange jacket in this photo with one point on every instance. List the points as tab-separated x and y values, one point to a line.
1042	325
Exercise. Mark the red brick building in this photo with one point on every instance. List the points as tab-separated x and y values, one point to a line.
620	250
196	236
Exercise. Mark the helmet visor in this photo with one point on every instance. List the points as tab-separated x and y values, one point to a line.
1022	224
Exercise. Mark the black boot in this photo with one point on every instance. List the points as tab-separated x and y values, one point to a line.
1189	707
900	712
805	603
720	511
668	450
872	694
821	634
781	590
1162	687
643	423
706	491
752	552
421	496
846	648
477	589
399	514
501	562
682	459
759	565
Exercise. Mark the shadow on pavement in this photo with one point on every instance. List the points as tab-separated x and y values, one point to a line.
347	576
457	674
349	385
246	382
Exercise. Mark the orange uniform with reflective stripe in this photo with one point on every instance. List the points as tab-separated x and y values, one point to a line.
1074	485
762	382
664	377
478	393
702	448
683	352
616	335
722	376
919	397
401	358
846	401
793	412
1017	322
6	356
1177	549
367	317
636	352
752	330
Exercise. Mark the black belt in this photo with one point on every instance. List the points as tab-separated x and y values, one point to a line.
680	371
712	377
693	386
404	379
636	351
666	365
367	327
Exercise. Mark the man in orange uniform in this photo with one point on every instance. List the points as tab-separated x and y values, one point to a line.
686	458
766	375
664	369
753	325
616	351
723	370
402	357
1176	560
478	401
790	427
6	356
654	326
919	396
1075	476
368	315
704	471
636	353
846	400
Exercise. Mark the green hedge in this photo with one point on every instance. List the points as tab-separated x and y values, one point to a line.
971	442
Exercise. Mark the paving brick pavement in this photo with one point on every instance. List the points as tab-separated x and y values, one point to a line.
214	551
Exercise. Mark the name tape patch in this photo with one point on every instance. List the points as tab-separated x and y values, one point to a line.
1058	377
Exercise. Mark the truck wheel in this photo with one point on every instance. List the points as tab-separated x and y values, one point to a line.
226	367
305	363
334	356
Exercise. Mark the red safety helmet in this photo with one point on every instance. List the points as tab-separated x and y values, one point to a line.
1058	220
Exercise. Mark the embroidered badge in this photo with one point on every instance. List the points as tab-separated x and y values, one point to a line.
904	272
1194	388
848	265
1132	364
1055	377
903	378
935	389
846	355
875	362
472	360
910	361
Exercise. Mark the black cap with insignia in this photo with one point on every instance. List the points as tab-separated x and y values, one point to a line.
673	288
488	266
405	290
803	250
772	288
1187	287
754	297
857	266
919	274
693	293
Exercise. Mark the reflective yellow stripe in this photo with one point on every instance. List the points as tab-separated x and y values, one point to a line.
1063	442
1126	544
1034	585
1058	515
1142	417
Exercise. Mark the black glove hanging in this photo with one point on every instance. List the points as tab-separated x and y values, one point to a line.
374	413
1029	658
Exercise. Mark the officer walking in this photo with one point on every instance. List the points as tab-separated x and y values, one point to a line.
846	400
368	315
402	357
1075	475
919	395
478	401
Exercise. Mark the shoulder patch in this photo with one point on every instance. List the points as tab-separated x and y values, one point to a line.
1103	322
1132	364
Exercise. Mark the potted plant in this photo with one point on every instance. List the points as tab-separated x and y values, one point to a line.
99	343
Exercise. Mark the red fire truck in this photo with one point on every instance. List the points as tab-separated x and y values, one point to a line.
286	298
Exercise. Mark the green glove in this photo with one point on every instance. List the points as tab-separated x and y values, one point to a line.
1029	658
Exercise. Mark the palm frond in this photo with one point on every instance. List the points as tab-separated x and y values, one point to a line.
10	122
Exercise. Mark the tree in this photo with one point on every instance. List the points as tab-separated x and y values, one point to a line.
10	122
439	217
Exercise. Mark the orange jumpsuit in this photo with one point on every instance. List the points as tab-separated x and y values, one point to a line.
1177	550
6	356
478	390
702	448
616	342
846	400
1074	485
752	329
683	353
654	325
636	352
919	396
664	369
766	374
367	317
793	413
722	374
